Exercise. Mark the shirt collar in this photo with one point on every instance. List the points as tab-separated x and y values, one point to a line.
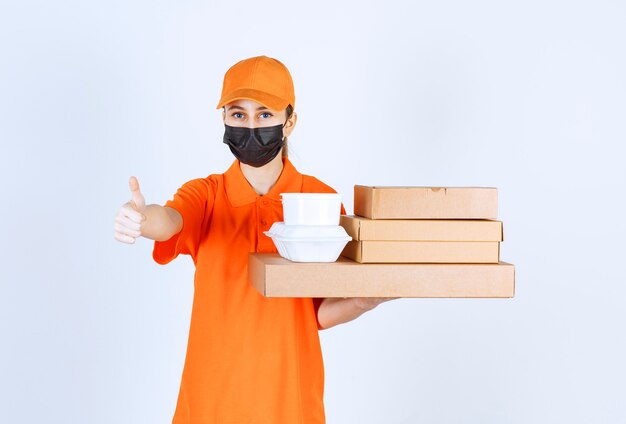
240	192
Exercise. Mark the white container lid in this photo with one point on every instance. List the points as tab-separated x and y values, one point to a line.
302	232
311	195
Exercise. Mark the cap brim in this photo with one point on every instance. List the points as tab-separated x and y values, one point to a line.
268	100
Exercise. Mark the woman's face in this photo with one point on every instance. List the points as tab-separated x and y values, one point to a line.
251	114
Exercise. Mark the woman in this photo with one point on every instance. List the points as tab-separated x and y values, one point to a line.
250	359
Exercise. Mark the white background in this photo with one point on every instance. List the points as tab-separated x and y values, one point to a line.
529	97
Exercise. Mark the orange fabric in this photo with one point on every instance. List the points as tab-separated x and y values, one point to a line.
263	79
250	359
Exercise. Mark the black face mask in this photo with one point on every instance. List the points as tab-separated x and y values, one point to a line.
254	146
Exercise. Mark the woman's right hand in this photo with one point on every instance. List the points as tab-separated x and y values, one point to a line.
130	215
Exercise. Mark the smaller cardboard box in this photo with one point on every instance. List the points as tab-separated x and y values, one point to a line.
360	228
378	202
274	276
372	251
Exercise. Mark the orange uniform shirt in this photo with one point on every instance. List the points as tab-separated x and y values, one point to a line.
250	359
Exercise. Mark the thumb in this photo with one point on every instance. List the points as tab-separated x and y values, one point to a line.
138	200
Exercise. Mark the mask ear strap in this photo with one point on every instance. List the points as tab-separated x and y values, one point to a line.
284	127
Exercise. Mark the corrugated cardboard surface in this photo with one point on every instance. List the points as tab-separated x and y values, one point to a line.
360	228
426	202
371	251
274	276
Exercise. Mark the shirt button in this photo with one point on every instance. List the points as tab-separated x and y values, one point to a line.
265	202
264	222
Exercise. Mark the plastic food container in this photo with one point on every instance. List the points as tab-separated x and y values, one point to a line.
311	208
304	243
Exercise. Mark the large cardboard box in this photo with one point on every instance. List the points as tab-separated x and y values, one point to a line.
274	276
372	251
360	228
426	202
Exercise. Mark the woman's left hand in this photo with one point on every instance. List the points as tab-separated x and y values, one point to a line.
369	303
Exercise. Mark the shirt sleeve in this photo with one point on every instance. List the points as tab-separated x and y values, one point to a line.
194	201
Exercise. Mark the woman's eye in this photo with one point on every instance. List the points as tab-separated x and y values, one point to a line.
238	115
266	113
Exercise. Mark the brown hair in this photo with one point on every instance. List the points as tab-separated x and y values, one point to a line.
289	111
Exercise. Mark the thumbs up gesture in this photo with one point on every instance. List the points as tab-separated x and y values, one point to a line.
130	215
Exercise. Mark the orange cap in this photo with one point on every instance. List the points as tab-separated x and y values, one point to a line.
262	79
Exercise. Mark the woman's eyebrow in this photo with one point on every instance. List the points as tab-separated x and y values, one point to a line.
239	107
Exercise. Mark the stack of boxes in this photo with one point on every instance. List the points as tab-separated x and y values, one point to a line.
424	225
407	242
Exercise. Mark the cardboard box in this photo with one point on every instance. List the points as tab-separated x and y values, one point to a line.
426	202
274	276
372	251
360	228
